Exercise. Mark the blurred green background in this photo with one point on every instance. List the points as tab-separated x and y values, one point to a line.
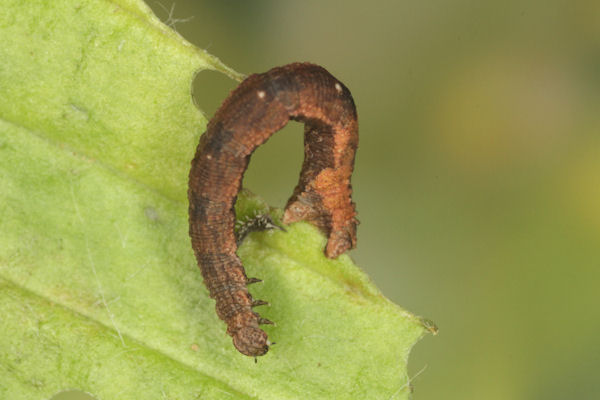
478	173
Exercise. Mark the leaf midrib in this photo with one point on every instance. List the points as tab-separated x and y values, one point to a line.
128	336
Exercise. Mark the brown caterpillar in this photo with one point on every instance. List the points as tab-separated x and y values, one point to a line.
260	106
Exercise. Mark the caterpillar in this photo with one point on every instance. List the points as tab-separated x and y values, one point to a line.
260	106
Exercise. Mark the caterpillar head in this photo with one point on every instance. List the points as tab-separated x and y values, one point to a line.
251	341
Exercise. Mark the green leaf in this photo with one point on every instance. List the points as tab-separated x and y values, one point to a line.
99	288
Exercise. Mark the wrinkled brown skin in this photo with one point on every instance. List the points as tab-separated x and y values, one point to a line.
260	106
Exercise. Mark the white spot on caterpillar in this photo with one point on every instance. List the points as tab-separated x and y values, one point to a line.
338	87
208	157
261	94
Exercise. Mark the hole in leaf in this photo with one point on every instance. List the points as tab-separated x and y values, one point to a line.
73	394
209	90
